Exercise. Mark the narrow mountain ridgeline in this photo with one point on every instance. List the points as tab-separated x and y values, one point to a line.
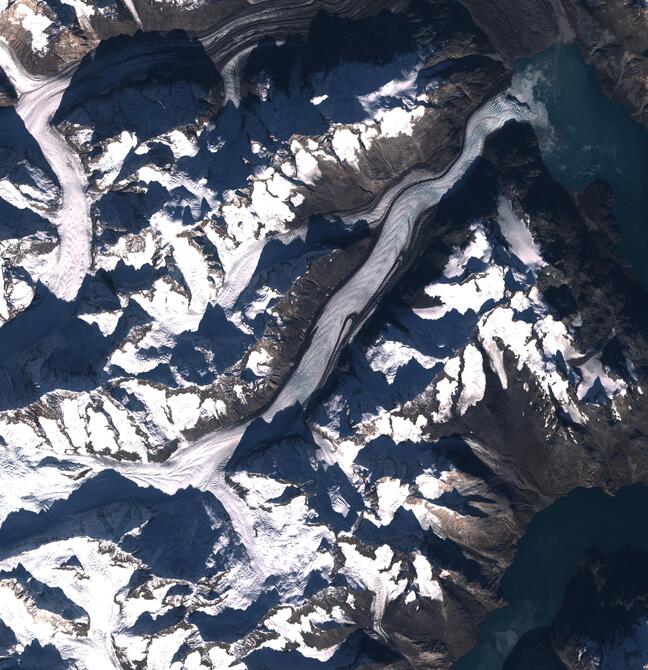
314	341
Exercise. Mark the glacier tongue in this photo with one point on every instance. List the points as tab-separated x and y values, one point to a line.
38	100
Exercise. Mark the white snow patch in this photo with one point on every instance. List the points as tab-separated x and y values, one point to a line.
388	356
115	152
185	409
391	495
593	370
496	359
446	389
259	362
346	145
374	575
305	163
106	321
399	428
372	103
180	143
83	12
518	235
518	336
471	294
399	121
36	25
478	247
473	380
427	585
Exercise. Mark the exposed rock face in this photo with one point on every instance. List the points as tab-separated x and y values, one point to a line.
517	28
337	335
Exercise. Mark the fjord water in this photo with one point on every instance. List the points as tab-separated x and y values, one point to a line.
585	136
547	557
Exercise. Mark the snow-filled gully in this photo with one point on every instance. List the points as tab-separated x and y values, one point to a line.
201	464
38	100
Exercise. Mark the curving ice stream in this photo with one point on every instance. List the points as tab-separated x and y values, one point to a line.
396	214
202	463
38	100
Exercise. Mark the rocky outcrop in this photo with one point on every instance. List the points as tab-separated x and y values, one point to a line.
517	29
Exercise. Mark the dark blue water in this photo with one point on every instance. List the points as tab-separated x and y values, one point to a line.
589	137
547	557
